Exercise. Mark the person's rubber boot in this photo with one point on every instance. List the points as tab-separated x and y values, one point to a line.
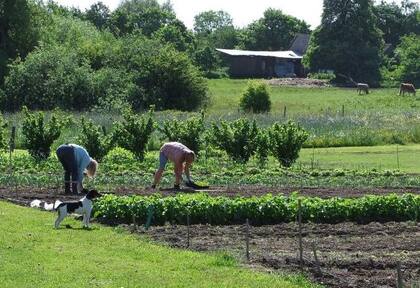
75	188
67	188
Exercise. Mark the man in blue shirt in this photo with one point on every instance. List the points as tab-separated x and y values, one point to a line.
75	160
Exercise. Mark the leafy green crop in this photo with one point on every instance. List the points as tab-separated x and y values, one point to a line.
268	209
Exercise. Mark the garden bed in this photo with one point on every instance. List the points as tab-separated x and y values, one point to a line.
350	255
27	194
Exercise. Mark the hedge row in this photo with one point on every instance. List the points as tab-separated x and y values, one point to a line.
269	209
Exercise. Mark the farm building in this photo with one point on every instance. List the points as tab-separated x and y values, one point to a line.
267	64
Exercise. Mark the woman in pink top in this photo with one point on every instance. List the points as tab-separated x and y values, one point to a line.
181	156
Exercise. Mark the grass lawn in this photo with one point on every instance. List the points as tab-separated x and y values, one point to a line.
225	95
33	254
379	157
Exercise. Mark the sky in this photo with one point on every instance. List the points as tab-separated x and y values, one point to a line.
243	12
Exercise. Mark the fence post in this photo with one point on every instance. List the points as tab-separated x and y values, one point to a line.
300	234
247	239
285	112
398	158
342	111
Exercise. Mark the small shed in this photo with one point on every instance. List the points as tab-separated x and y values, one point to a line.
265	64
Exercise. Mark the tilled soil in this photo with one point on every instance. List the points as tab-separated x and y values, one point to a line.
350	255
25	194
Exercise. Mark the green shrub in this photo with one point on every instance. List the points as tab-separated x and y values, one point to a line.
49	78
133	133
286	140
188	132
256	98
263	147
94	139
238	139
322	76
39	135
3	133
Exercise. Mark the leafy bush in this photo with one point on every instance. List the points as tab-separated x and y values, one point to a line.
286	140
256	98
188	132
38	135
3	134
133	132
94	139
263	147
237	139
204	209
49	78
408	53
322	76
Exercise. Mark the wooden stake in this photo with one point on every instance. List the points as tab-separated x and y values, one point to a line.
188	230
400	282
300	234
285	112
317	265
134	222
398	158
247	239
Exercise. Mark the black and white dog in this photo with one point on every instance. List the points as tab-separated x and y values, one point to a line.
82	207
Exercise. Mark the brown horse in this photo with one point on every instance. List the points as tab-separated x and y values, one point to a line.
407	87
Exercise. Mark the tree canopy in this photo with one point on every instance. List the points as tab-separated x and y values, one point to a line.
347	41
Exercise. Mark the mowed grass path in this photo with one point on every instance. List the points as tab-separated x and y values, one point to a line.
33	254
226	93
407	159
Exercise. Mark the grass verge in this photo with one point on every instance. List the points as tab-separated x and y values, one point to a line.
33	254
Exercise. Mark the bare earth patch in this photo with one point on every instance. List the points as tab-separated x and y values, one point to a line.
299	82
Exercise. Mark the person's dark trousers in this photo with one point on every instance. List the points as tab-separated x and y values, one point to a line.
65	154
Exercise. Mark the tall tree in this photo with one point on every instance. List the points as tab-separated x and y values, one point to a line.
146	15
274	31
396	21
408	54
208	22
98	14
18	30
347	41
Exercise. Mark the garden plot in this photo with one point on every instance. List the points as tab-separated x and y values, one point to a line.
350	255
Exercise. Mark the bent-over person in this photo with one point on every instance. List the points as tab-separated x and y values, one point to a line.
75	160
181	156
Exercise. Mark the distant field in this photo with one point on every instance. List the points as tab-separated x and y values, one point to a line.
225	95
33	254
377	157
